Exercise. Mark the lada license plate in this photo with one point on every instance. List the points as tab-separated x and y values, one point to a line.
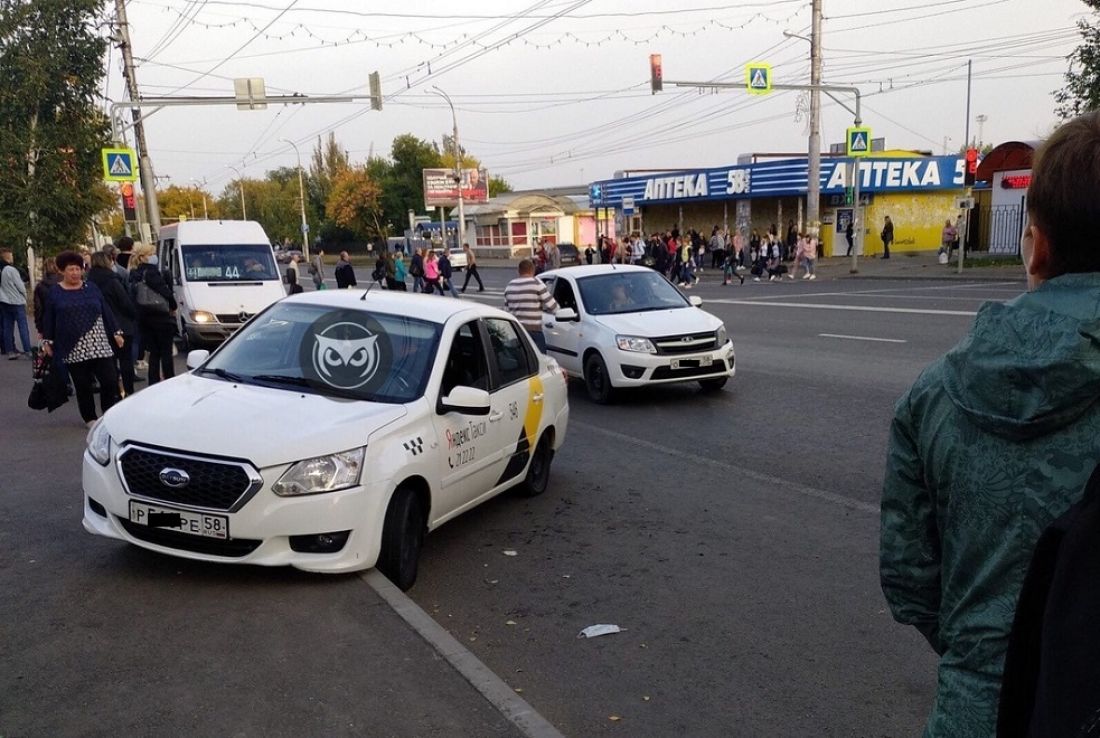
701	362
181	521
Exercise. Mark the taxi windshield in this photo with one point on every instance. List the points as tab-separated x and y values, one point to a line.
339	352
629	292
236	263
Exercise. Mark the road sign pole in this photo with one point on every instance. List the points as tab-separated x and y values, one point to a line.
966	230
857	216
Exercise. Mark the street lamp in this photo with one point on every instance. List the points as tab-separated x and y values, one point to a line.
240	185
301	200
813	163
199	187
458	170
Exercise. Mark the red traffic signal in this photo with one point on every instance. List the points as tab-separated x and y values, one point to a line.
655	76
971	167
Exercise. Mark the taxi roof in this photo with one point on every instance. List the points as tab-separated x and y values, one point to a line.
432	308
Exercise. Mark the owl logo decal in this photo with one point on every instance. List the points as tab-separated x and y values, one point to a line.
346	352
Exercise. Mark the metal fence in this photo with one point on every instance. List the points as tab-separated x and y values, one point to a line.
999	229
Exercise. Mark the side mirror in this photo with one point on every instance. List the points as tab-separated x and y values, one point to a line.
196	357
695	300
465	400
566	315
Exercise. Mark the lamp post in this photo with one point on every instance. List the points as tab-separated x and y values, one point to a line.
199	186
458	170
301	201
813	184
240	186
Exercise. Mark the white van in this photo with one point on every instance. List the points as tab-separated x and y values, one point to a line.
223	272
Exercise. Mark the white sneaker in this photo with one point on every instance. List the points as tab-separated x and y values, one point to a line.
756	279
813	277
790	276
806	276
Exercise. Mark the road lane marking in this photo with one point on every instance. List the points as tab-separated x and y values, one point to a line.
794	487
513	707
856	308
861	338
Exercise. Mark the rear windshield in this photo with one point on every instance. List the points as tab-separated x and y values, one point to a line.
236	263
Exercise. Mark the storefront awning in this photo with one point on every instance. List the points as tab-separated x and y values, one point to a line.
1007	156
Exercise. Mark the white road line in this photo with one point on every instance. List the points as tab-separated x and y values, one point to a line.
856	308
886	291
493	688
862	338
766	479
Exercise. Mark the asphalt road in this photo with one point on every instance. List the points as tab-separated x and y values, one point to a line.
733	536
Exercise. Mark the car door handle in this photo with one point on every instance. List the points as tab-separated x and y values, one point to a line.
494	417
537	398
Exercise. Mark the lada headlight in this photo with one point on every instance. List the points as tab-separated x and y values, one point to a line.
321	474
635	343
99	444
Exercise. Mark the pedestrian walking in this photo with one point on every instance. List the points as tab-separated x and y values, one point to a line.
80	330
809	256
13	307
431	273
400	271
527	298
112	253
553	256
416	270
116	294
51	275
292	266
345	273
887	236
948	236
995	440
156	318
589	253
446	274
849	235
317	269
471	268
717	248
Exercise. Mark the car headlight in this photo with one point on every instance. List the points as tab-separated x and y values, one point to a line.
201	316
321	474
635	343
99	444
723	337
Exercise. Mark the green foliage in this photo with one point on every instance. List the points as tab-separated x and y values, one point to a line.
1082	91
498	185
187	202
355	204
51	133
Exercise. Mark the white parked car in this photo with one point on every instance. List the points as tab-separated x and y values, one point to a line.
330	434
628	326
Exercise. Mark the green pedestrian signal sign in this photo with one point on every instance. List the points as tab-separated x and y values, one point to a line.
859	141
119	165
758	78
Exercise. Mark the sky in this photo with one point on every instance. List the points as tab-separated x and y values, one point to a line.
556	92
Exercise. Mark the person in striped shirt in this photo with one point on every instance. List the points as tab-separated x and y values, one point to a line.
527	298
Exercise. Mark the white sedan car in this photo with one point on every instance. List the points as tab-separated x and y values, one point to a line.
329	434
627	326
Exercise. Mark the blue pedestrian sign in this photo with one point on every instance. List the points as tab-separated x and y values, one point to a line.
859	141
758	78
119	165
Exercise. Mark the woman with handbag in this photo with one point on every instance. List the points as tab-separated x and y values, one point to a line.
79	328
156	309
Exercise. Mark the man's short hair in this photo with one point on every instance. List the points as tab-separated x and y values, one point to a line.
5	251
125	243
526	267
1064	196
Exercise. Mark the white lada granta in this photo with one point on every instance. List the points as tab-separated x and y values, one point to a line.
330	434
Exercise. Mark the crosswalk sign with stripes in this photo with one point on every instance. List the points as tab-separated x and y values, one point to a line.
119	165
758	78
859	141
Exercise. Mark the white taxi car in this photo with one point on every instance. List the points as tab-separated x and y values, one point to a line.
627	326
330	434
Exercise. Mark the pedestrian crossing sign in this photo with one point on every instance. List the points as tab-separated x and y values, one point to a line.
119	165
758	78
859	141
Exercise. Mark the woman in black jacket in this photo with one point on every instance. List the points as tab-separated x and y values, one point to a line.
103	276
158	327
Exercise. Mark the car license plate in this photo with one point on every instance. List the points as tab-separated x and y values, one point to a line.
700	363
181	521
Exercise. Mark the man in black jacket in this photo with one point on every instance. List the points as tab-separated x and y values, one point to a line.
345	274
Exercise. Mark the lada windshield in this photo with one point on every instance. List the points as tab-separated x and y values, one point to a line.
340	352
628	292
236	263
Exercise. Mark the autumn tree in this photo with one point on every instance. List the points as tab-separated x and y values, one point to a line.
1082	91
498	185
178	203
51	132
355	203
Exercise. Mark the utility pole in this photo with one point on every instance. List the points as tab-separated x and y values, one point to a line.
240	186
981	118
301	201
813	186
458	173
969	190
145	164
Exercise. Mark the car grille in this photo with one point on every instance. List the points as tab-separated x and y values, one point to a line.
231	548
691	343
213	485
232	318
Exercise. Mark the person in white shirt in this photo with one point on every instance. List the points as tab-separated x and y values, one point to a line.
527	298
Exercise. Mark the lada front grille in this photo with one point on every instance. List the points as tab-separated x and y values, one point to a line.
212	484
689	343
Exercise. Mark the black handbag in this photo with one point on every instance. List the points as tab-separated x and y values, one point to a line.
49	390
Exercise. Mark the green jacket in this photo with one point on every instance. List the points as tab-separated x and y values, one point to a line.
992	443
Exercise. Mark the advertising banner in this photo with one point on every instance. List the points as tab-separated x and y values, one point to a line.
440	189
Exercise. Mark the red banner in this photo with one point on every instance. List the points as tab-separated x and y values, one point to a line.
440	188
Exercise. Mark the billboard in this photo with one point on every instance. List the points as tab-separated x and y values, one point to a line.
440	189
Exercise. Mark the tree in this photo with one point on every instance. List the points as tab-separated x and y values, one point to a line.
51	133
177	203
403	189
355	203
328	162
1082	90
498	186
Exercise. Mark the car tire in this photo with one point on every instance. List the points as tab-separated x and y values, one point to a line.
597	381
538	470
402	538
713	385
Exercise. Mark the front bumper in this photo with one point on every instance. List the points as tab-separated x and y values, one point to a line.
635	369
210	332
260	531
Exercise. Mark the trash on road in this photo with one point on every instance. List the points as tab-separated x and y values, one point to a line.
595	631
509	552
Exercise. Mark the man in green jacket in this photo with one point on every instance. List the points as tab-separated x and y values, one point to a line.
997	439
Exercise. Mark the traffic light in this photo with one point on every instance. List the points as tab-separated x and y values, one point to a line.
129	203
849	195
971	167
655	76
